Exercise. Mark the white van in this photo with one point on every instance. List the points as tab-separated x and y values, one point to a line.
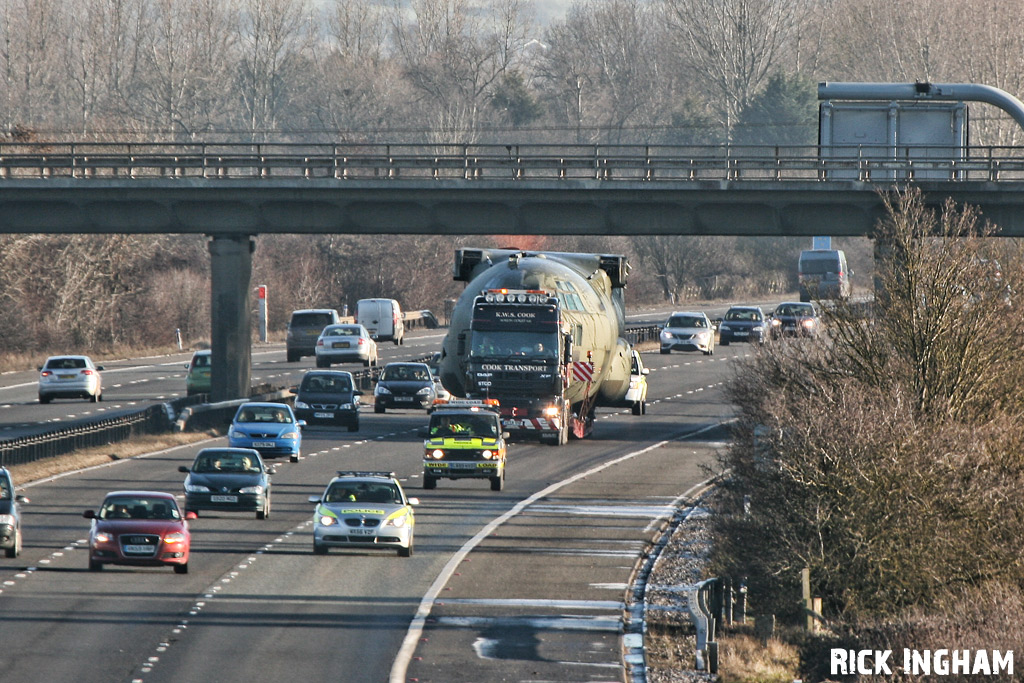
823	274
382	318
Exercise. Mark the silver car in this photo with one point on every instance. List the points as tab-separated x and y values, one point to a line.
345	343
688	331
70	377
363	510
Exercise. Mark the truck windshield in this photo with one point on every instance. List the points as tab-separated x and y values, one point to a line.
487	344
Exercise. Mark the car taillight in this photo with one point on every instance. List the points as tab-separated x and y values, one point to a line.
319	342
361	341
86	372
46	373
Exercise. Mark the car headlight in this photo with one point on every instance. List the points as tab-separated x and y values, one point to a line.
289	435
251	489
174	537
551	411
381	390
103	537
486	455
236	434
424	391
6	520
703	336
345	406
196	488
398	522
326	520
437	454
725	328
808	323
776	322
302	405
757	328
666	335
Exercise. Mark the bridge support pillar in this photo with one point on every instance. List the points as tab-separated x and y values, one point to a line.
230	324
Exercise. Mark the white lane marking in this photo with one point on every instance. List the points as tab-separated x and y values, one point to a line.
405	653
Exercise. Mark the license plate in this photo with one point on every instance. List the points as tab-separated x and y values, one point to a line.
741	334
263	444
361	532
138	549
67	376
339	345
325	416
403	398
461	465
223	499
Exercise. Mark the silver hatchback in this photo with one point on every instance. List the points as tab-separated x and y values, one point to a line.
70	377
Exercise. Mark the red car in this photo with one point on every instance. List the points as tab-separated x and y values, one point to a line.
139	528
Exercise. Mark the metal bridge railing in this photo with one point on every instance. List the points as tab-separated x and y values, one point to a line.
495	162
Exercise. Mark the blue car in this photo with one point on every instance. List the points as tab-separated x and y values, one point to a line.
270	428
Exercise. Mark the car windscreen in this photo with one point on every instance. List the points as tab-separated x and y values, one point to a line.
363	492
226	462
686	321
263	414
324	384
406	373
442	425
138	507
736	315
311	320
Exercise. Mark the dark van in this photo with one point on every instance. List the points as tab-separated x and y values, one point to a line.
304	329
823	274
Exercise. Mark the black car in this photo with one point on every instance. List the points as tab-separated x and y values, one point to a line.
10	516
228	480
328	396
795	319
742	323
404	385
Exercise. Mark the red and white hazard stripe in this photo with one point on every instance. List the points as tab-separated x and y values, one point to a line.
583	371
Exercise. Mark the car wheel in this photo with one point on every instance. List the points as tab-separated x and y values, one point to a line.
181	568
15	549
429	482
319	549
498	482
354	427
95	566
44	399
406	552
294	357
93	398
322	363
295	458
99	396
366	363
378	408
665	352
265	512
724	342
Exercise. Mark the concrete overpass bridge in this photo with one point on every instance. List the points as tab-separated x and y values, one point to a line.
232	192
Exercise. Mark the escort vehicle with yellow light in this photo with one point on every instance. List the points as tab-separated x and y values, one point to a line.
363	509
465	441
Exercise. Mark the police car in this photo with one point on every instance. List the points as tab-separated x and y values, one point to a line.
465	441
363	510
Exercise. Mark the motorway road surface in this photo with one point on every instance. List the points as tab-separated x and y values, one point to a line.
526	584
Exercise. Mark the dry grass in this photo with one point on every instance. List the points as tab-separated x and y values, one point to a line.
49	467
743	659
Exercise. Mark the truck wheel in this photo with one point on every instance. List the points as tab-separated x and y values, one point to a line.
319	549
429	482
638	408
378	408
498	483
665	352
294	357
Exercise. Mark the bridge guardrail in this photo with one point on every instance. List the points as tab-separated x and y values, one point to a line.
704	600
483	162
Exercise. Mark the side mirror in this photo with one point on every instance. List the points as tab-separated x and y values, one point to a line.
89	514
21	499
186	366
414	501
645	371
314	499
271	470
99	367
505	435
191	514
184	468
301	423
357	393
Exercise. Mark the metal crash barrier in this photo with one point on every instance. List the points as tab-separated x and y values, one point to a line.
705	603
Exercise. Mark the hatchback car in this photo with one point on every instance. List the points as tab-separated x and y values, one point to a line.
404	385
139	528
197	379
742	323
795	319
228	480
328	396
270	428
70	377
688	331
10	515
363	510
345	344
